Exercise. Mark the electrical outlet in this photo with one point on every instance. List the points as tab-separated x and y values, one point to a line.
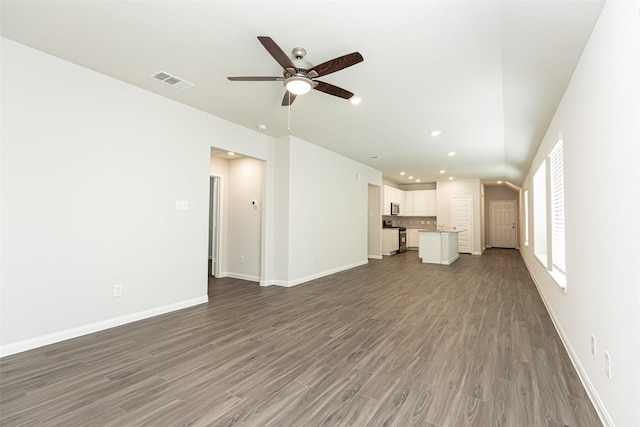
607	364
117	290
241	259
593	345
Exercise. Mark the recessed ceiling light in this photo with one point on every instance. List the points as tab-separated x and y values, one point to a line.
451	153
262	127
442	171
417	180
435	132
410	177
499	182
401	173
231	153
355	100
450	178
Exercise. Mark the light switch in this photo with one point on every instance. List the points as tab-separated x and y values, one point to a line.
182	205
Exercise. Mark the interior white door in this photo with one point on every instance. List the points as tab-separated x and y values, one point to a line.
462	219
503	223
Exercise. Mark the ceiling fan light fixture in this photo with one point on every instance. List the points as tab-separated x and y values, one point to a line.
298	85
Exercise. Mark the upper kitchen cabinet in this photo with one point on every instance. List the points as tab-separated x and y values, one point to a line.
421	203
393	195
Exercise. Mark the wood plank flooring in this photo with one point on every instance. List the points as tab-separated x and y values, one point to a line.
392	343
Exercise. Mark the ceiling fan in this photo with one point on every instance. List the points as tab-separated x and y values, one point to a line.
299	75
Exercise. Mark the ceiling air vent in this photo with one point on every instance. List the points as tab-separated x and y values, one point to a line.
171	80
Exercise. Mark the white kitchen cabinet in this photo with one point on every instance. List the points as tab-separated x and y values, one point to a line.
408	195
386	200
393	195
421	203
390	241
412	203
413	238
402	201
431	209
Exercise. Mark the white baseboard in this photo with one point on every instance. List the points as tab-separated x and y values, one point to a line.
291	283
582	374
30	344
374	256
240	276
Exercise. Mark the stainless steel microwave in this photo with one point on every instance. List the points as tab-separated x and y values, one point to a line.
395	209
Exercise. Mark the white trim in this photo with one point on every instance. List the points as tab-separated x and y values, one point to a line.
289	284
449	261
584	378
379	256
18	347
248	277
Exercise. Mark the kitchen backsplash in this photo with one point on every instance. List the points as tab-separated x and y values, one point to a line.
421	222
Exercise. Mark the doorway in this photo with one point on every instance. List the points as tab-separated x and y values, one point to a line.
236	215
502	224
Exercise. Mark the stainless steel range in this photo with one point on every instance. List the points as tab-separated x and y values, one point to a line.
403	239
402	234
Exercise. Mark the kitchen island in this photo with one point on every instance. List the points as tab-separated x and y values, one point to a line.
438	246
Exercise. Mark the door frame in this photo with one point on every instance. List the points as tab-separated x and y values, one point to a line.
216	208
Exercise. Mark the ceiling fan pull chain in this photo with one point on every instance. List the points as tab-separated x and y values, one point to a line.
289	112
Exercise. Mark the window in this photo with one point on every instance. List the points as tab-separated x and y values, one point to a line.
540	214
526	217
548	214
556	172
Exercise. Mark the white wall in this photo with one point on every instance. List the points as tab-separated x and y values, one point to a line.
91	170
463	187
327	227
599	117
280	210
374	243
243	223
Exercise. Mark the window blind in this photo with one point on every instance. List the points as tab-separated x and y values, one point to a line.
557	207
526	217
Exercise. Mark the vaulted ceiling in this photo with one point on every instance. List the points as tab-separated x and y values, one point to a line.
487	74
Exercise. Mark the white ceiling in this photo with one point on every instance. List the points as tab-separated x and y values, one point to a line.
489	74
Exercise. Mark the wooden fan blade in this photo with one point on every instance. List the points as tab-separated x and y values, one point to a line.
277	53
337	64
256	79
332	90
288	98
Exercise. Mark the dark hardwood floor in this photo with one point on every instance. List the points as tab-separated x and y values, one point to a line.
391	343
